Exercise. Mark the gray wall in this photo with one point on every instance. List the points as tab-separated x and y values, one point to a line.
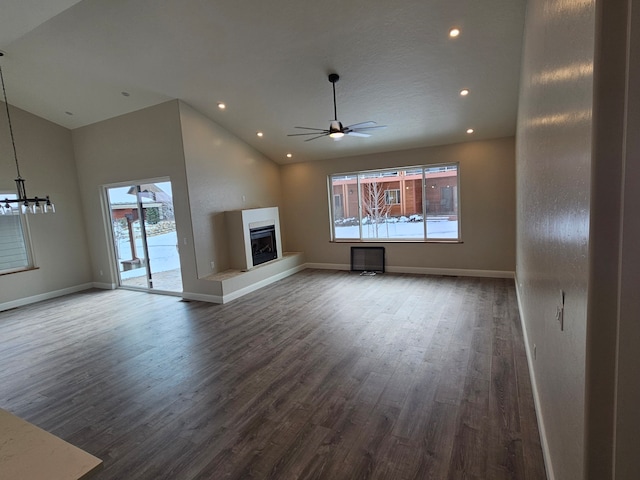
487	200
45	154
553	186
223	173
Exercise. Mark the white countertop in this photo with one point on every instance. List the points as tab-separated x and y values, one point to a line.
28	452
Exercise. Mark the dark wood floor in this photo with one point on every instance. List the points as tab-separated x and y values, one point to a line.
323	375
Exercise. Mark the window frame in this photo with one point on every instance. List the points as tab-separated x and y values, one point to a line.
388	196
426	169
26	238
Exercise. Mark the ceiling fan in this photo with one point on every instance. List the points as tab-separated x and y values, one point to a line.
336	130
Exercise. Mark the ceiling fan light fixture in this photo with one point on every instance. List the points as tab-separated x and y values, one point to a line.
335	129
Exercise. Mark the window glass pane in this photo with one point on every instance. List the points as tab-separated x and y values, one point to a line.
393	204
346	218
389	206
375	210
441	185
413	217
13	249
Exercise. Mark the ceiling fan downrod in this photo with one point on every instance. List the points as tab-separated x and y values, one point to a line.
333	78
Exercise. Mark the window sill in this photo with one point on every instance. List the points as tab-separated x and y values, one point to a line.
11	272
390	240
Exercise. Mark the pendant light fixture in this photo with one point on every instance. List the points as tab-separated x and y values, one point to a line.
21	204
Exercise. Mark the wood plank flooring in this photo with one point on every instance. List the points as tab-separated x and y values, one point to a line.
322	375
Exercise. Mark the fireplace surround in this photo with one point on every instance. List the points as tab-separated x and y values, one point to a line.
254	237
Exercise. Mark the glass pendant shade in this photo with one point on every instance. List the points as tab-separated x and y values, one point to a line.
36	207
8	209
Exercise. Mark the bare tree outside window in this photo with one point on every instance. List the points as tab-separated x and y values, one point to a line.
375	209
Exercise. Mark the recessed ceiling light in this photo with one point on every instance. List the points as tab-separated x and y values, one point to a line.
125	94
454	32
222	106
464	92
469	130
260	134
289	155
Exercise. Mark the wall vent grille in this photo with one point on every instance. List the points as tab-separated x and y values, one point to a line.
367	259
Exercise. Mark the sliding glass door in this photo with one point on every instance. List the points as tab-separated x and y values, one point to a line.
144	236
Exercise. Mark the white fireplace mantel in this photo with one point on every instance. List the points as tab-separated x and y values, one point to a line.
239	224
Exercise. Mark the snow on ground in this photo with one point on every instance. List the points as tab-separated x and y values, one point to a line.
163	252
401	230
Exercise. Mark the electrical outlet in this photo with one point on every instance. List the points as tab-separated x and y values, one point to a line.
213	264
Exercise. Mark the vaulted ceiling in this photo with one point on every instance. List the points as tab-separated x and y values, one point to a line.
79	62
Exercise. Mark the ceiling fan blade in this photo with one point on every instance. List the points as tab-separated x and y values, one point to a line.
361	125
377	127
309	128
357	134
324	132
323	135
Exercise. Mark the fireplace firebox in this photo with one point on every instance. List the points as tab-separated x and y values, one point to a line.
263	244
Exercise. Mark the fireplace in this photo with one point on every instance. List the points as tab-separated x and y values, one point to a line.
263	244
253	236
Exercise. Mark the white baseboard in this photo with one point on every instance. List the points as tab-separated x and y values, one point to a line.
546	452
105	286
452	272
328	266
44	296
202	297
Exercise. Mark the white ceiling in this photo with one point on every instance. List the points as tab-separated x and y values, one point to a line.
269	61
